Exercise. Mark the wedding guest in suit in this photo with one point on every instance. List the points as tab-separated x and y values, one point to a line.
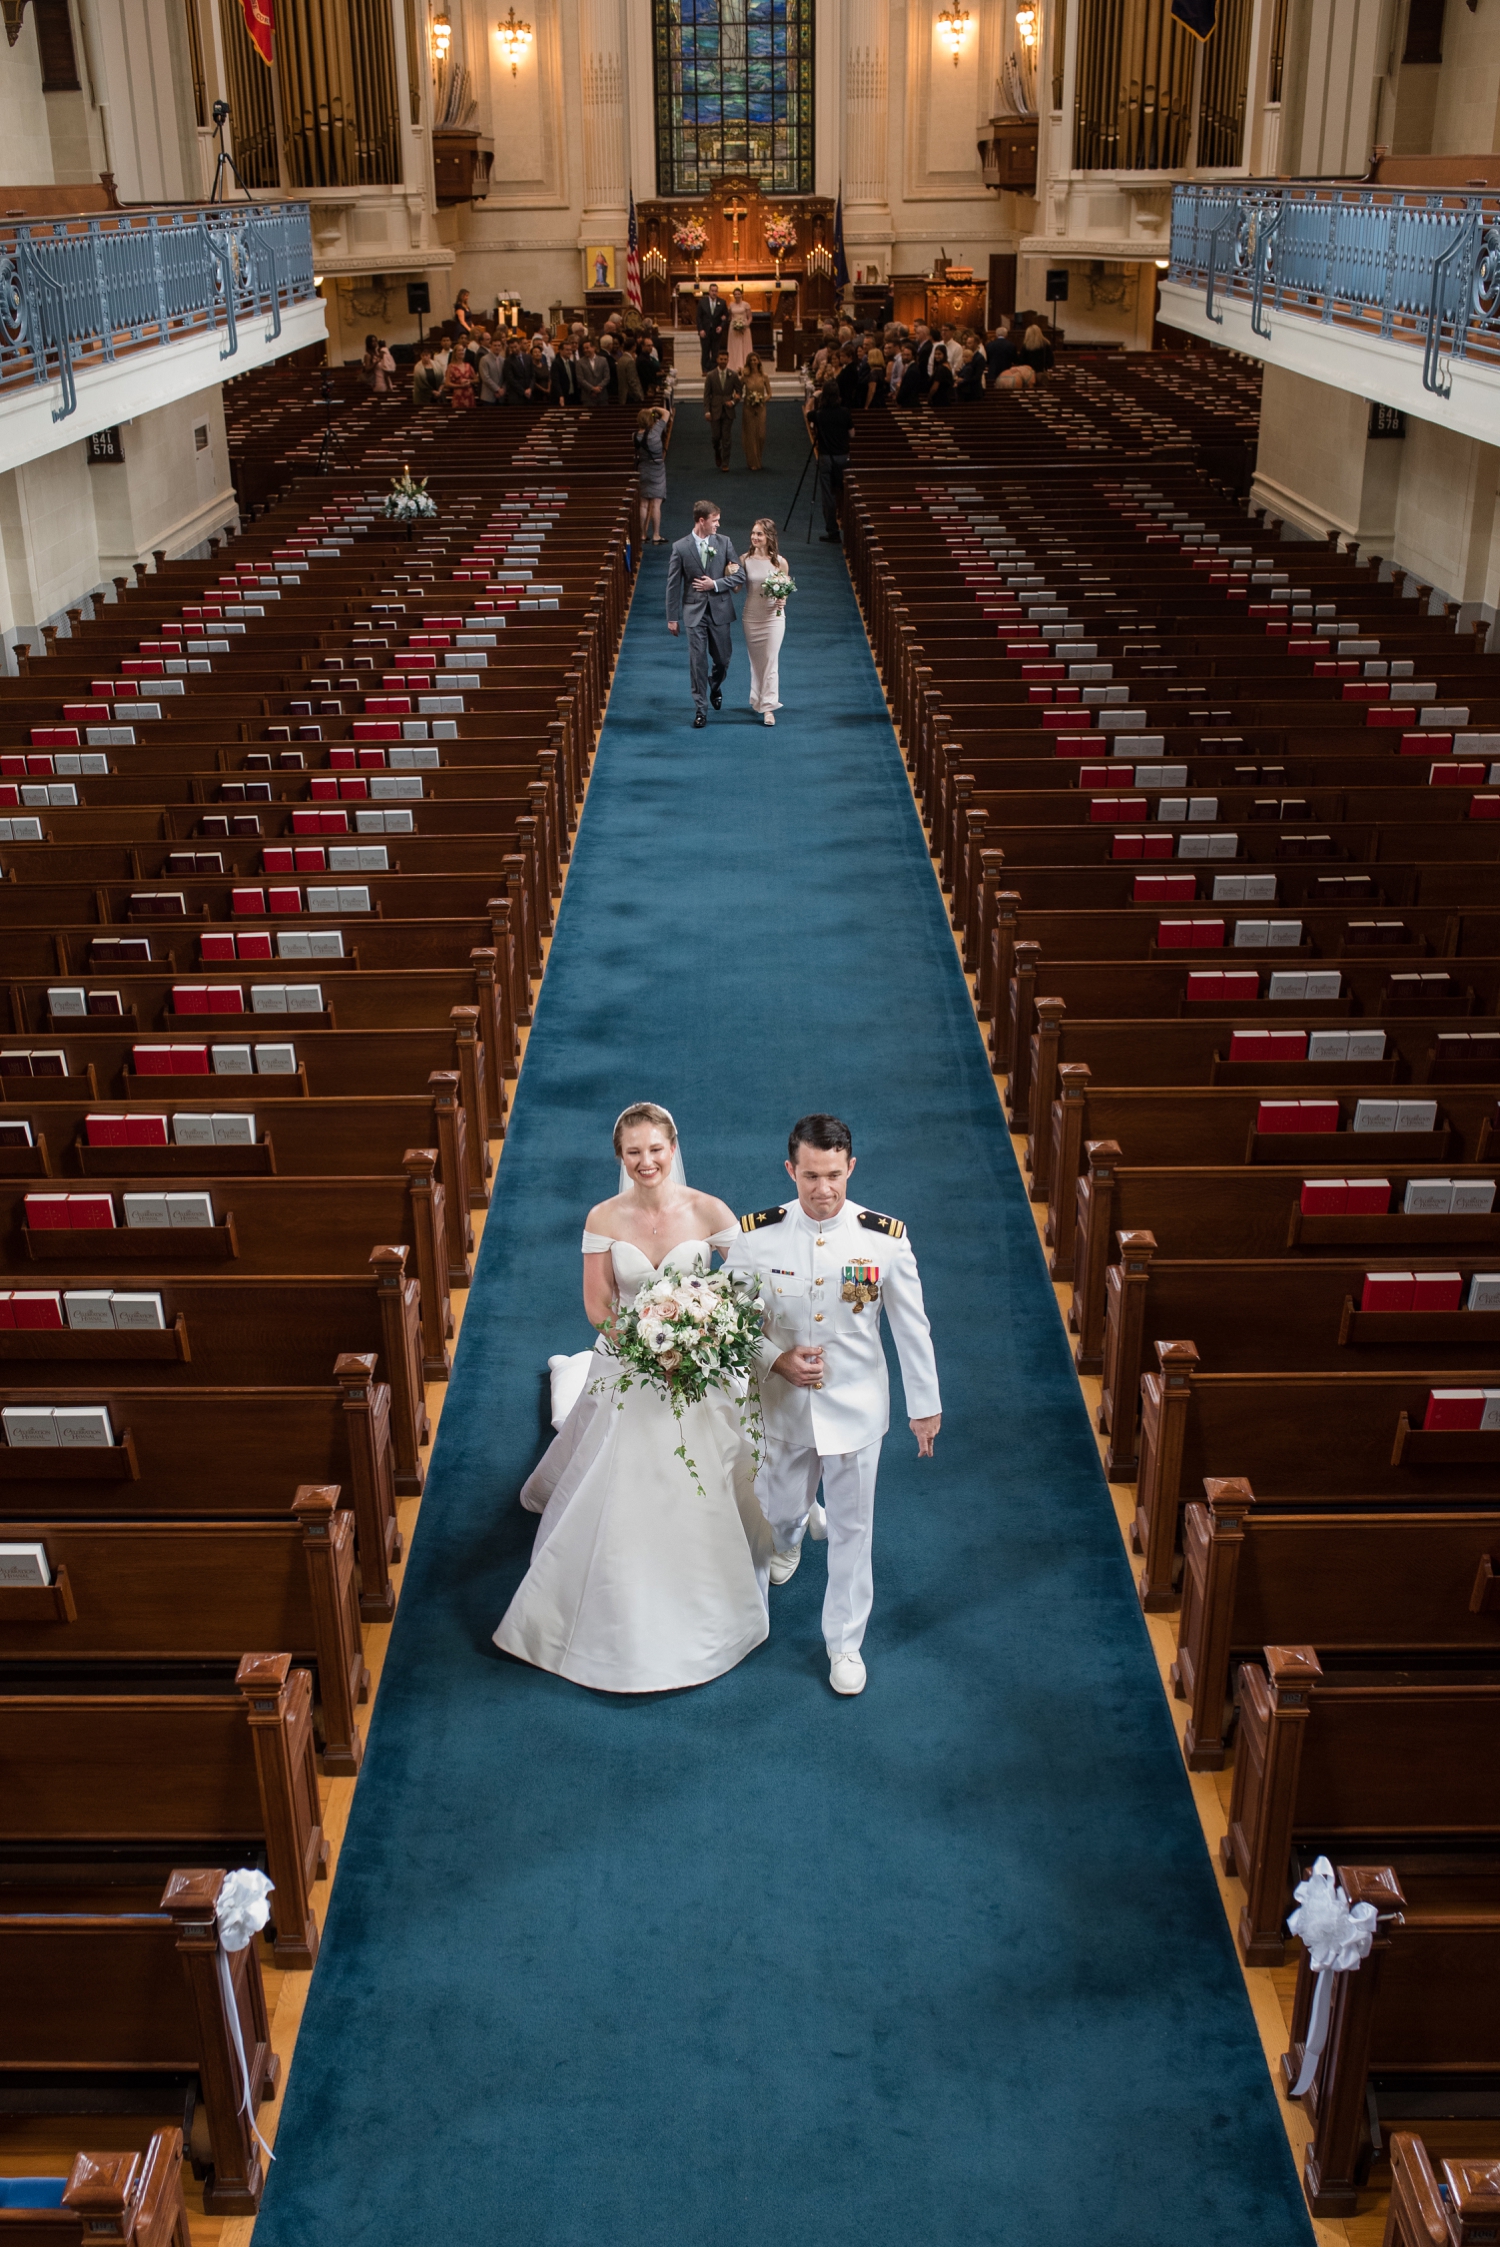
713	327
756	394
625	375
999	352
918	372
491	377
647	361
721	394
563	388
518	375
703	576
593	375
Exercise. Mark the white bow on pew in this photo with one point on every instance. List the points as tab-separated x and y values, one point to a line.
241	1911
1338	1935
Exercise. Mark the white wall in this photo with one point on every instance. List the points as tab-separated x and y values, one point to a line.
25	143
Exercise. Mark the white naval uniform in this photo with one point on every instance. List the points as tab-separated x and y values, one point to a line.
834	1433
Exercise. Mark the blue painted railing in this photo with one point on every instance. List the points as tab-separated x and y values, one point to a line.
80	292
1407	265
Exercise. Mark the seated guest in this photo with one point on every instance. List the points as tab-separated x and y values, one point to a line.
593	375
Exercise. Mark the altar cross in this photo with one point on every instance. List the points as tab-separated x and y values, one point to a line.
734	212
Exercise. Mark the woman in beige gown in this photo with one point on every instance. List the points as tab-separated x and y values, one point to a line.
739	331
753	412
763	622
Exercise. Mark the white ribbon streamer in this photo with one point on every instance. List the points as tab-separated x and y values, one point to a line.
1338	1936
241	1912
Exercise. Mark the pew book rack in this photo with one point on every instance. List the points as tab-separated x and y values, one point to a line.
112	1462
137	1244
95	1345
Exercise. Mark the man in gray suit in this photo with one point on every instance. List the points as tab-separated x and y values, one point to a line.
703	576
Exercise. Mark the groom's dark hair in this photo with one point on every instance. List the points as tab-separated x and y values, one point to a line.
703	508
826	1133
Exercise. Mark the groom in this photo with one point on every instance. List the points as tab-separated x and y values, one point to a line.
703	576
827	1266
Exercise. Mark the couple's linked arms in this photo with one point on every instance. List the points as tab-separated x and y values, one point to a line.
677	574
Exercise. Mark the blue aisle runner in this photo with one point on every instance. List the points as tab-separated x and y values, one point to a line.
940	1967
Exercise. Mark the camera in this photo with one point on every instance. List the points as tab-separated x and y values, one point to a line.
220	113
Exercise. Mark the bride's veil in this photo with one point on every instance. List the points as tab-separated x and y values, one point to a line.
678	1174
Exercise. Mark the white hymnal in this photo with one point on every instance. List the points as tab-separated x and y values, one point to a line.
88	1307
1473	1197
232	1060
149	1210
193	1131
24	1567
83	1427
276	1060
1427	1197
189	1209
138	1310
233	1130
29	1427
1374	1115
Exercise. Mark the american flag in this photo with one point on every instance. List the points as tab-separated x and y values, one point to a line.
633	262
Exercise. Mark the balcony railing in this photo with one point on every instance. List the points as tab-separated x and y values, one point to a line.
81	292
1411	266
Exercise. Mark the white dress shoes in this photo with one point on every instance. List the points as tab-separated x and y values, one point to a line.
767	718
784	1566
817	1524
846	1674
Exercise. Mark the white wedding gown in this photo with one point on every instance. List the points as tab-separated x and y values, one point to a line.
764	631
637	1584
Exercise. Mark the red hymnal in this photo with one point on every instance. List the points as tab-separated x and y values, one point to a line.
255	945
91	1213
1325	1197
217	947
145	1131
1437	1291
1388	1291
35	1307
1369	1197
1454	1408
105	1131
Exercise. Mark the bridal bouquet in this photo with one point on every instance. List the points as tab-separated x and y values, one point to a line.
780	582
687	1333
409	501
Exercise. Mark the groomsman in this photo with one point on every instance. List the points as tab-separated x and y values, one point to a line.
721	394
703	576
713	325
827	1266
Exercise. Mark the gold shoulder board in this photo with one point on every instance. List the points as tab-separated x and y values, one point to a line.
759	1217
892	1227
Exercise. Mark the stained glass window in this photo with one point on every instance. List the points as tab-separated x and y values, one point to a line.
734	93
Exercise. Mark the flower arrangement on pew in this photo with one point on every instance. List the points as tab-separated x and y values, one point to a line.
687	1333
409	500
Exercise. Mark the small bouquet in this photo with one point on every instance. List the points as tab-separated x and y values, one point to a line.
781	236
691	237
409	501
687	1333
780	582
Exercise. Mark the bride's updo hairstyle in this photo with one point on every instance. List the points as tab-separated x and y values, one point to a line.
643	1112
764	523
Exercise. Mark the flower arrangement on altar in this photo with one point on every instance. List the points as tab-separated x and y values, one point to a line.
781	236
687	1333
780	582
691	237
408	500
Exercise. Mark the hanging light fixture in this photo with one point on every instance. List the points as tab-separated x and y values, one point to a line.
442	39
953	25
515	38
1026	30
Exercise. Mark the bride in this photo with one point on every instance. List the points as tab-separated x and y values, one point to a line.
764	621
637	1583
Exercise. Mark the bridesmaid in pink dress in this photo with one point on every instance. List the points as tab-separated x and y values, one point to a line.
739	331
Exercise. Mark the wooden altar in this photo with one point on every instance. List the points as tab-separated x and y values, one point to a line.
734	217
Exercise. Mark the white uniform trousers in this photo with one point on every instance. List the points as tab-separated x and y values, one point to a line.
788	1486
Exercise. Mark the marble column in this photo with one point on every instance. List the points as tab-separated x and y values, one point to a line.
867	210
601	58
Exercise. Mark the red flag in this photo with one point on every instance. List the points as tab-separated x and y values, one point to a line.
260	22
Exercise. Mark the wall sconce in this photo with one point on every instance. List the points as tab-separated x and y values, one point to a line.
953	25
1026	26
442	39
515	38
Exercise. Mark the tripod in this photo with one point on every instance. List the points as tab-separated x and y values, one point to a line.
812	454
226	163
325	450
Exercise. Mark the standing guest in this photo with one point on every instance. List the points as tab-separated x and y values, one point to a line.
918	371
763	621
739	330
999	352
721	394
458	383
491	377
625	376
875	369
895	374
851	379
593	375
517	383
948	343
580	336
713	327
941	388
542	342
426	381
970	381
377	366
1036	351
833	427
652	429
461	312
756	393
647	361
564	384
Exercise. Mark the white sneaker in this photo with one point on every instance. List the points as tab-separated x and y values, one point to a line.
846	1674
768	719
817	1525
784	1566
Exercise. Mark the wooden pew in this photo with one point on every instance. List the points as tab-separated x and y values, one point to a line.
133	2198
143	1997
206	1454
138	1595
97	1777
1459	2212
1417	2017
1325	1759
1284	1572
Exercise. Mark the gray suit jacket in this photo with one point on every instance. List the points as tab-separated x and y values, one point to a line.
683	565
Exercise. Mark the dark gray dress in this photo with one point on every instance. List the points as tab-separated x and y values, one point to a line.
650	461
